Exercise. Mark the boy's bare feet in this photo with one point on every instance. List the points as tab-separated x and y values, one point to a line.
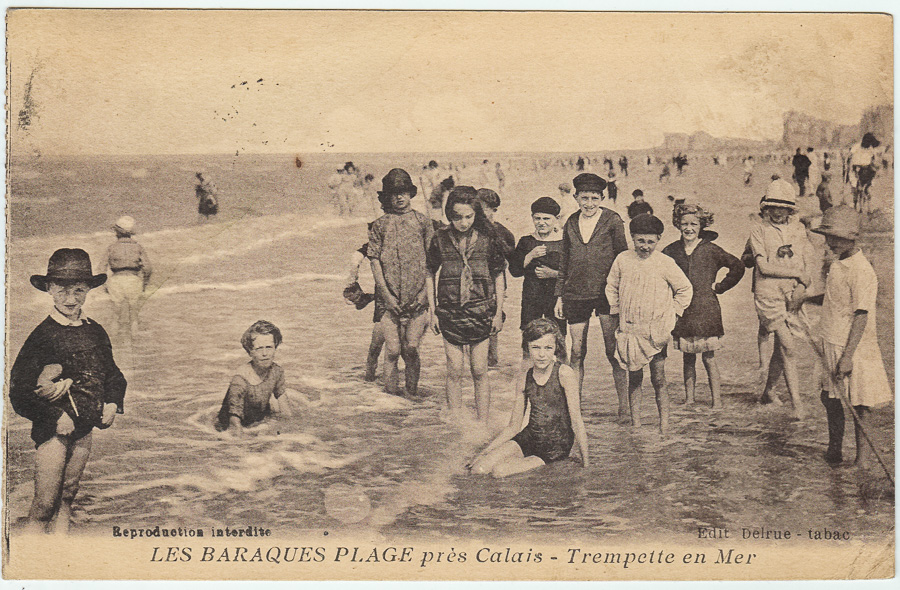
770	399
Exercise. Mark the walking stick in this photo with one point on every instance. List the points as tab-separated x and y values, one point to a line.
859	424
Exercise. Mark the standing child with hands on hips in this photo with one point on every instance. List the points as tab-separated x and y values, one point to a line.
65	381
647	291
550	389
699	329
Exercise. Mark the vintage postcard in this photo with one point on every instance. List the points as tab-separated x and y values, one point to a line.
381	295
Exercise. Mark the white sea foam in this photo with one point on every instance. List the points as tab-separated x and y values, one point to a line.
250	285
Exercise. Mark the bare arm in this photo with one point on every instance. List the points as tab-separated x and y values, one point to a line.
432	304
356	260
500	289
573	400
234	425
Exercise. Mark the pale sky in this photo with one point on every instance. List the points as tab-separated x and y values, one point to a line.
123	82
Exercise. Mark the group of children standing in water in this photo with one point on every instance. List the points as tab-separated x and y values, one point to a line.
642	296
450	279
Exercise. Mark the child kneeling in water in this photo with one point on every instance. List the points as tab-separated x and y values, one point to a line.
550	388
252	388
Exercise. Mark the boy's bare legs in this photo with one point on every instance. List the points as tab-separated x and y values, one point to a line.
715	379
766	347
493	355
635	378
375	347
77	457
689	370
455	364
863	451
834	412
49	470
478	359
609	324
787	347
390	331
579	333
658	379
771	365
55	463
411	334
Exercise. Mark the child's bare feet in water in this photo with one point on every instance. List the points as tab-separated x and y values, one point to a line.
664	426
770	399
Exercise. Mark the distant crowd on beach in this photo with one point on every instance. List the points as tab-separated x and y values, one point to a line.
447	272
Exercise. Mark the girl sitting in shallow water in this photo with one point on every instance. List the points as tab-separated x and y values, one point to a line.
252	389
550	388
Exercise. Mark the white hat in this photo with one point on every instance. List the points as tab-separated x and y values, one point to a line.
780	193
125	224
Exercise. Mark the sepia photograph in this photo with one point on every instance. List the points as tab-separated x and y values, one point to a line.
448	295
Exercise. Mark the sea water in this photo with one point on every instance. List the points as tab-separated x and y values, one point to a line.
353	457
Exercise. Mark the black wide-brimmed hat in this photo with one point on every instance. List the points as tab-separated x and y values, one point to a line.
397	181
587	182
68	265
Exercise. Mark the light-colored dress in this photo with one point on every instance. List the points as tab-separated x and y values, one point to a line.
648	295
852	285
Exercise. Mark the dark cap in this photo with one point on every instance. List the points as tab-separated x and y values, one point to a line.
397	181
546	205
645	223
587	182
639	207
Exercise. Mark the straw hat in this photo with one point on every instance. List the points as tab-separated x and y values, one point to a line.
125	225
779	193
841	221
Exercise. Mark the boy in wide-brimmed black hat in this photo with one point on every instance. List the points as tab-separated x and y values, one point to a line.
398	241
66	382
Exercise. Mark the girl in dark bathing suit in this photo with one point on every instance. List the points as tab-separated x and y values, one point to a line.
550	388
